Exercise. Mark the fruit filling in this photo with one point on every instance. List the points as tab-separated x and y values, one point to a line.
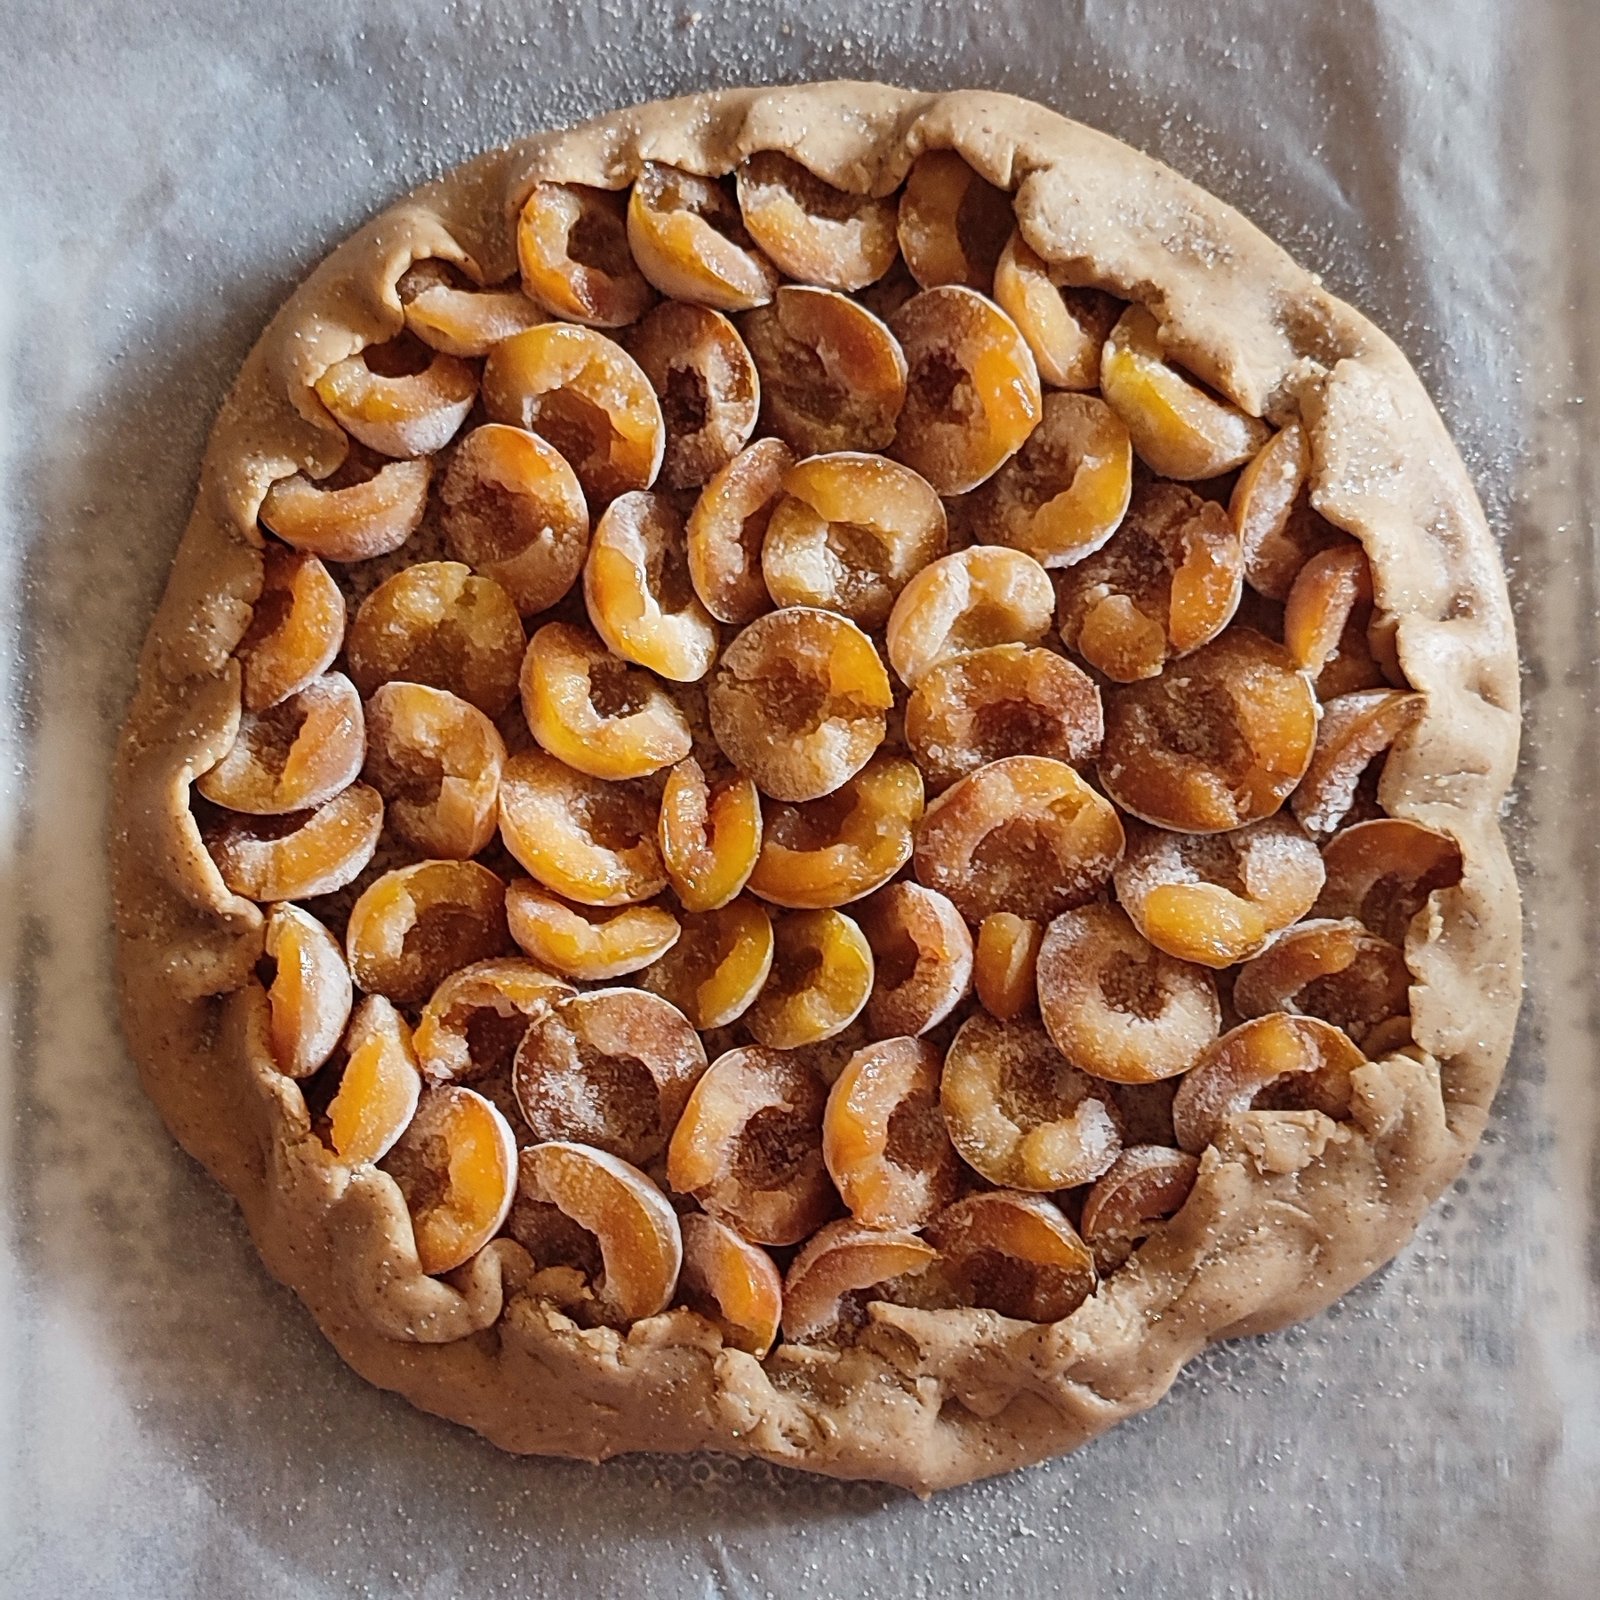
806	762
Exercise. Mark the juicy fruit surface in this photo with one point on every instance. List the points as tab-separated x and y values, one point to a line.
1020	1113
1017	1254
850	531
438	762
831	851
1118	1007
611	1068
799	702
883	1137
803	761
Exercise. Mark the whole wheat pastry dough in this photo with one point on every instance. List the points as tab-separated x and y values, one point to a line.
1290	1207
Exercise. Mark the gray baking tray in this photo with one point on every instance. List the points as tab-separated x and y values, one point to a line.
171	1424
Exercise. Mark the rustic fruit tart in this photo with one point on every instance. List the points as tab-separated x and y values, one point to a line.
820	777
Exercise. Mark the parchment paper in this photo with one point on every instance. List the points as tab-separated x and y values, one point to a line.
172	1425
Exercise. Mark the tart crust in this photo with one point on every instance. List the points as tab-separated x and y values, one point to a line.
1290	1208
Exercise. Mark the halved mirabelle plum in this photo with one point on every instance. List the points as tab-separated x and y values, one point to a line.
353	515
1065	492
820	980
1279	1061
1115	1006
1330	969
612	1068
811	230
727	528
637	590
456	1165
849	533
302	854
379	1085
399	398
1065	327
731	1282
309	996
884	1139
414	926
582	942
1005	964
710	834
1271	507
572	245
972	389
641	1249
1179	429
585	838
706	382
833	377
447	311
1025	834
296	628
473	1022
1007	700
1168	583
986	595
719	963
1214	743
831	851
922	959
1326	594
437	761
1218	898
1013	1253
1020	1113
691	243
799	702
585	395
952	224
1355	730
597	713
1145	1185
513	510
440	624
830	1282
294	755
748	1146
1382	873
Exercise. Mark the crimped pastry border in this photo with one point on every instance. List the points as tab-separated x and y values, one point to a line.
1289	1211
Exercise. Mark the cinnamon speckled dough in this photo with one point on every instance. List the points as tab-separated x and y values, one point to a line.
1290	1208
